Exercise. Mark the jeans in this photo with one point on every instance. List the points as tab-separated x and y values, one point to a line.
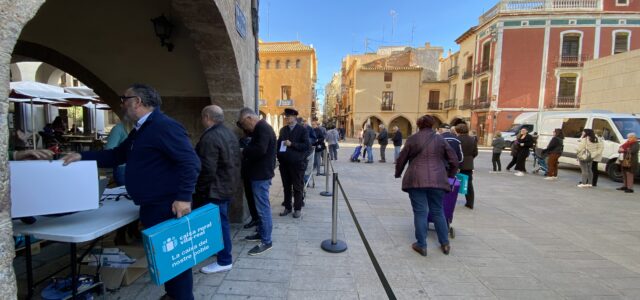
587	174
181	286
383	148
333	152
251	202
425	201
317	163
118	174
261	196
495	160
369	154
396	152
224	255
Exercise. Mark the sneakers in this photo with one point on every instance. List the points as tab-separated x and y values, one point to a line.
253	238
215	268
550	178
260	248
285	212
519	173
584	185
493	172
297	214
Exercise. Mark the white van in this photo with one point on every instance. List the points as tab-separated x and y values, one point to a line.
524	120
610	127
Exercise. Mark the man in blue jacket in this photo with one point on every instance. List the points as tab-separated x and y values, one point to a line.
162	168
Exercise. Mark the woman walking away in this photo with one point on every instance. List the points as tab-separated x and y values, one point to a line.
426	181
554	151
514	156
588	148
525	142
469	145
497	144
629	163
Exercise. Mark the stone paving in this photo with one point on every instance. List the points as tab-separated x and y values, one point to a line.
527	238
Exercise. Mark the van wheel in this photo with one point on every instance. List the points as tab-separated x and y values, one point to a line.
614	171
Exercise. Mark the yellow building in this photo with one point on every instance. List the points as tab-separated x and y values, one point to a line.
288	72
332	100
611	83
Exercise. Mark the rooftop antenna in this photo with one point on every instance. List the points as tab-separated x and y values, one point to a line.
393	15
268	27
413	30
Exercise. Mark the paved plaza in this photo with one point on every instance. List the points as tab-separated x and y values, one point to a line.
527	238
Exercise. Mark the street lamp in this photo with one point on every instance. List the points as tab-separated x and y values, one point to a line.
163	28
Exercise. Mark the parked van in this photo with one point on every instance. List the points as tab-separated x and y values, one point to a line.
524	120
612	128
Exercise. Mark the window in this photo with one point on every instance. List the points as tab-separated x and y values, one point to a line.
277	64
261	92
434	96
268	66
622	2
603	129
484	90
388	77
621	41
572	128
467	92
287	65
285	92
486	53
567	87
387	99
452	93
571	45
627	125
297	64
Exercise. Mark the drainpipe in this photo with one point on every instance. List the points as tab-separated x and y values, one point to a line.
254	20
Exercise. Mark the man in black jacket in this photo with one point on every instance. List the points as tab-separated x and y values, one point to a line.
397	143
469	146
219	153
383	140
293	145
259	161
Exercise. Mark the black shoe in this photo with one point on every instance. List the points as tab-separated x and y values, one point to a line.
285	212
253	238
260	248
622	188
628	191
251	224
416	248
297	214
469	206
445	249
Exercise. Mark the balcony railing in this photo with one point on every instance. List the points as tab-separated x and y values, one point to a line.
466	105
387	106
467	73
481	103
449	104
453	71
433	105
566	102
571	61
285	102
483	68
524	6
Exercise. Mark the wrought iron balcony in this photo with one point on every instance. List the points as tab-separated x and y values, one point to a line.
572	61
483	67
481	103
449	104
566	102
387	106
285	102
466	105
434	105
453	71
528	6
468	73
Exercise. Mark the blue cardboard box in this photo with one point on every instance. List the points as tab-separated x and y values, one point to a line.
177	245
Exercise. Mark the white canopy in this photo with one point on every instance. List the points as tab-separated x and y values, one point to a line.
30	89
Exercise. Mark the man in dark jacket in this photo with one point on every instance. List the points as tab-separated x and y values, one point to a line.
293	145
162	168
319	147
219	153
367	140
397	143
259	161
383	140
445	130
469	147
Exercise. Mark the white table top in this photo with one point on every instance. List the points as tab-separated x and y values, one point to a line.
81	226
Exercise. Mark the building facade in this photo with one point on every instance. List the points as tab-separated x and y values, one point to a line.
332	100
288	74
530	55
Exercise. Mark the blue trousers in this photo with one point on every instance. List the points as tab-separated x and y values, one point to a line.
181	286
263	206
425	201
369	154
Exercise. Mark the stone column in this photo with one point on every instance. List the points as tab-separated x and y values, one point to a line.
13	16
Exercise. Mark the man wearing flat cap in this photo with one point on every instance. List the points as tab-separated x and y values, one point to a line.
293	144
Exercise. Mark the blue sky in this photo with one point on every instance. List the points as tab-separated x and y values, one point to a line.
336	28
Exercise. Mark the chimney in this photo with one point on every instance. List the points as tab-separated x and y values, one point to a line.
427	45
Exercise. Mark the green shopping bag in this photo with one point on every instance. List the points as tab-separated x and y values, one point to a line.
464	183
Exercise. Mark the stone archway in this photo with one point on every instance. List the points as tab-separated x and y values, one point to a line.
404	125
374	121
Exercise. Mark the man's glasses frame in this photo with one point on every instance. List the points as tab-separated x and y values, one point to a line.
124	99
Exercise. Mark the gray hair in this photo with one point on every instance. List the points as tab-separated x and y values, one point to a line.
631	134
148	95
381	126
214	113
247	112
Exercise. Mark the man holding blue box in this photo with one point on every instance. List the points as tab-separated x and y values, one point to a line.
162	168
219	153
259	157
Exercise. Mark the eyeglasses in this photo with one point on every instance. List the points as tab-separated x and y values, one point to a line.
123	98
